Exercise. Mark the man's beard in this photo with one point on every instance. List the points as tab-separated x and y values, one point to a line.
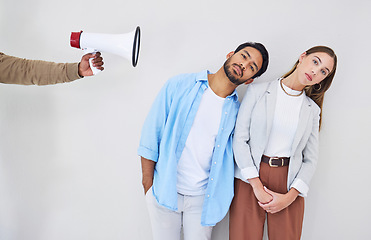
230	74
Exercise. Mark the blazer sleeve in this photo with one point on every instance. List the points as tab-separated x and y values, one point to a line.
241	147
14	70
310	158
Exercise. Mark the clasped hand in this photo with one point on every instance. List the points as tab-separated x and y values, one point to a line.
273	202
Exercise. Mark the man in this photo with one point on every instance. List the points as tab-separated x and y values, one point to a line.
186	146
21	71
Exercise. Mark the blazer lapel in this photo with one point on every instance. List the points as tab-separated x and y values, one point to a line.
302	124
271	99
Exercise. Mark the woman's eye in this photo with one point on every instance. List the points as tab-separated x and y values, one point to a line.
323	72
315	62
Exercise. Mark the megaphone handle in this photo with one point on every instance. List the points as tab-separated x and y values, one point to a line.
94	69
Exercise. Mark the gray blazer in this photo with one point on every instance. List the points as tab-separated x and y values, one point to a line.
252	130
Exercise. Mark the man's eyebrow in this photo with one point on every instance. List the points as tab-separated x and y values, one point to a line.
321	63
247	53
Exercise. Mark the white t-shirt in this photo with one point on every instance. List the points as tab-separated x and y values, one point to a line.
285	122
195	161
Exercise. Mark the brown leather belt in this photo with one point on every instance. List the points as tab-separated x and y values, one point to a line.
276	161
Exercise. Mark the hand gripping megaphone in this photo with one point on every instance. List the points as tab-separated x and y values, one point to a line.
125	45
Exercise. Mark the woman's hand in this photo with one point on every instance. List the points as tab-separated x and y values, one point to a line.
279	201
260	193
262	196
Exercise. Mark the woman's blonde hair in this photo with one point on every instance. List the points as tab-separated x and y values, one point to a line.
316	92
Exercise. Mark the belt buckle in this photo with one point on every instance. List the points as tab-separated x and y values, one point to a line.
275	158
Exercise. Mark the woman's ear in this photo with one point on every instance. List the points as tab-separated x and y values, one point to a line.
302	56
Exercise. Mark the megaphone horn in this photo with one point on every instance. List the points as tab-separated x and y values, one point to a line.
125	45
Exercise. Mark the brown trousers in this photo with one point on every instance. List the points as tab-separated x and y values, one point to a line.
247	217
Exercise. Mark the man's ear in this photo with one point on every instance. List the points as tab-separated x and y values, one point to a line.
230	54
249	81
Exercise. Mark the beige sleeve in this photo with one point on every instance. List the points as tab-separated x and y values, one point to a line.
15	70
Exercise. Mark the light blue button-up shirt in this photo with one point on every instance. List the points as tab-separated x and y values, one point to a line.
164	135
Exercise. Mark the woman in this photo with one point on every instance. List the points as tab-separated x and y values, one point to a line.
276	148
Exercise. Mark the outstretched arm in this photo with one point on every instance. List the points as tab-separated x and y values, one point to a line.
14	70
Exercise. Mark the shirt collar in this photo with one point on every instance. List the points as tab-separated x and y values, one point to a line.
202	77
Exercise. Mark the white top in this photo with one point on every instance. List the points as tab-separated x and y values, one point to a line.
195	161
285	122
250	138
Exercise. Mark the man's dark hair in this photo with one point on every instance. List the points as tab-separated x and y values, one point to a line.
263	51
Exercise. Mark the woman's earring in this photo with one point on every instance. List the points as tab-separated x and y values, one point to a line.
317	86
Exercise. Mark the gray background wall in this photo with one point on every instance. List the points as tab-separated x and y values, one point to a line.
68	162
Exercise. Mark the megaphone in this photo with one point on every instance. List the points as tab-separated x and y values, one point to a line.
125	45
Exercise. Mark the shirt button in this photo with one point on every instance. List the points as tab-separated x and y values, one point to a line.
214	162
218	145
222	128
225	112
212	179
208	195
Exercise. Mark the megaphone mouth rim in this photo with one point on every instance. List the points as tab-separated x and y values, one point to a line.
136	47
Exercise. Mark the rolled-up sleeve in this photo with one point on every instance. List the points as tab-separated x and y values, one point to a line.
155	123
